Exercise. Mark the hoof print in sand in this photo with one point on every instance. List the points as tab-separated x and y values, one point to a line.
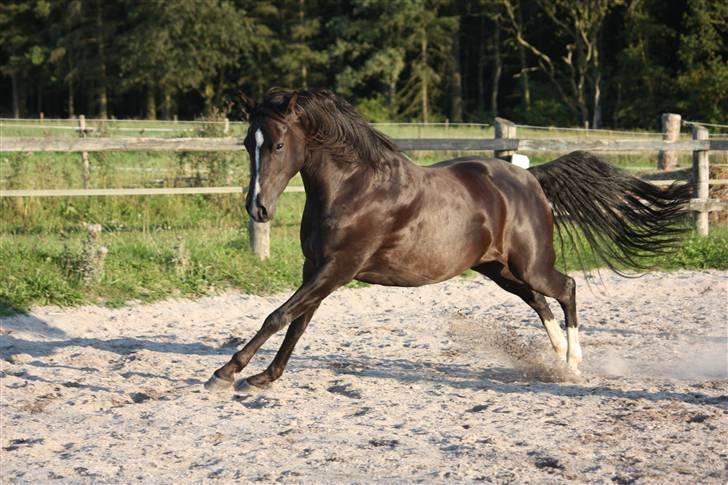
258	403
542	460
139	397
23	442
391	444
344	390
478	408
232	342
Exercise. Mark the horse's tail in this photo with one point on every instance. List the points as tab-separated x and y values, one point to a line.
621	218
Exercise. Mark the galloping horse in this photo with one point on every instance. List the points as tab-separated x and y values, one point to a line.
374	216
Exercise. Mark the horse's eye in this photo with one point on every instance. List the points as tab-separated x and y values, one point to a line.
279	146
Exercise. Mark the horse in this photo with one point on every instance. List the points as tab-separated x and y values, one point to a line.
373	215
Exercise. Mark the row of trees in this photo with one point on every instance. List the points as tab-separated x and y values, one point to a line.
602	62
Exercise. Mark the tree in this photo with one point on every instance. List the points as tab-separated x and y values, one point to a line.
23	43
432	35
407	49
299	58
578	78
703	54
67	48
644	78
168	51
370	55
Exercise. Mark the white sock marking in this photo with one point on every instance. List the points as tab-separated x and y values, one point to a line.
573	355
558	341
258	144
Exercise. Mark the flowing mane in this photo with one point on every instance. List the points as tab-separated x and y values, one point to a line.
331	124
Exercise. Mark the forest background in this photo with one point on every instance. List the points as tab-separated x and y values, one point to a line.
605	63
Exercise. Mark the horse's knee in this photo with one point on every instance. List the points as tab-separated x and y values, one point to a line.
275	322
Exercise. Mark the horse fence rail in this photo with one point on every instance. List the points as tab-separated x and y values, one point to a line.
504	144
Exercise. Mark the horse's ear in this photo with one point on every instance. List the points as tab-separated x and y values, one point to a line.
291	110
247	105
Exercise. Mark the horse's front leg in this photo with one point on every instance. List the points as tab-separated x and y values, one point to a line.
299	307
276	368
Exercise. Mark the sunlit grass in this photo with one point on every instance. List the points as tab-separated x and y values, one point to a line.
141	232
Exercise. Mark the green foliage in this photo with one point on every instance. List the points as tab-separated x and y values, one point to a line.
610	62
142	267
42	240
704	55
697	252
173	50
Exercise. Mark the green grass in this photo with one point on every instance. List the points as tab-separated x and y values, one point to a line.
140	266
141	232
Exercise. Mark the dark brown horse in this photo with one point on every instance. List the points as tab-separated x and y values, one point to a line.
374	216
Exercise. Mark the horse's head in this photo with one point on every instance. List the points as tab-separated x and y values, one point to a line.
276	150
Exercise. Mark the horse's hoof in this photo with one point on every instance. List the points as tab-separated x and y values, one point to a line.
574	369
244	387
214	383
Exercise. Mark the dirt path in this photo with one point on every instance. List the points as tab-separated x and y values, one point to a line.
452	382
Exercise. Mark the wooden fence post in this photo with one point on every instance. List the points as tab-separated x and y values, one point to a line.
701	176
84	155
504	129
226	126
667	159
259	234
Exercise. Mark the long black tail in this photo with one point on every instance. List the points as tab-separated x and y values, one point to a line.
621	218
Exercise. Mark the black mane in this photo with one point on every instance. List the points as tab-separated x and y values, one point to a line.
330	124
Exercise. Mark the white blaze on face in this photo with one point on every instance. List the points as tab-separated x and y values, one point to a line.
258	144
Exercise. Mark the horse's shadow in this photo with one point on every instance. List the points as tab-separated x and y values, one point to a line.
51	339
452	375
500	379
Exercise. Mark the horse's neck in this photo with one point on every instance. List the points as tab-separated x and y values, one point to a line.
324	177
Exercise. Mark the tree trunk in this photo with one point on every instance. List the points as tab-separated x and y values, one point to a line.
151	104
497	68
580	73
423	93
16	96
456	82
393	95
167	106
71	101
304	70
524	67
39	102
597	114
481	71
597	74
103	99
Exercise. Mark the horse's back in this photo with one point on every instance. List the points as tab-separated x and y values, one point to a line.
483	175
515	208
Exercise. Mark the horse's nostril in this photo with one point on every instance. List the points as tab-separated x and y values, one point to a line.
263	212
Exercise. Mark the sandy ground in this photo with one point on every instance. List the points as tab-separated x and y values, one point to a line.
452	382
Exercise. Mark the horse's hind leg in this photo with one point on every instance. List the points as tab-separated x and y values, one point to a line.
508	282
557	285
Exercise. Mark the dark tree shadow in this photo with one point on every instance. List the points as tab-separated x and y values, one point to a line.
9	308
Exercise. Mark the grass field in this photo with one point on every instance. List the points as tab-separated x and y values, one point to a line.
141	235
39	236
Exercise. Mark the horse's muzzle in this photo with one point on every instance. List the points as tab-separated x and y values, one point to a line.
258	211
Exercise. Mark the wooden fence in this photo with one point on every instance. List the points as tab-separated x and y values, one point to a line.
504	144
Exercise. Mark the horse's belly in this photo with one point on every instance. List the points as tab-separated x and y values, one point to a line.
425	260
395	277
